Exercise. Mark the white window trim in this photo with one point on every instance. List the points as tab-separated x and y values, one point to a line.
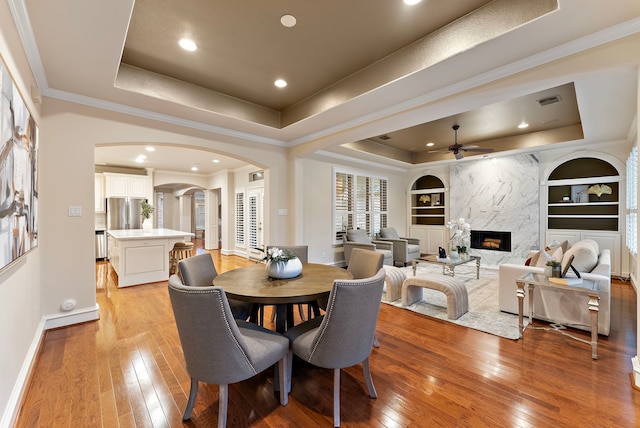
354	213
239	211
632	202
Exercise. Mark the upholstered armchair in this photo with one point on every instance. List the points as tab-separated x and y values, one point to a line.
220	350
404	249
342	337
357	238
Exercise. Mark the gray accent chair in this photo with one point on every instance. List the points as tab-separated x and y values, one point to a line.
220	350
343	336
199	271
358	238
404	249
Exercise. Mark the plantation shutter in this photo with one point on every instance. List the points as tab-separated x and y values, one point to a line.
240	218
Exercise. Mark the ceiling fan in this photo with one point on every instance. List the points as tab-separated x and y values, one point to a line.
457	149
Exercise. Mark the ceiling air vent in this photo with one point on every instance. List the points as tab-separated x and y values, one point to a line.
549	100
385	137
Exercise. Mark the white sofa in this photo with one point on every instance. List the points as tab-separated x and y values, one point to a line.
566	308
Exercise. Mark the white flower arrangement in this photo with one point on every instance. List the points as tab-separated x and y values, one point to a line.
275	255
461	236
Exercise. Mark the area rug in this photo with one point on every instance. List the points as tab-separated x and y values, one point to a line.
484	313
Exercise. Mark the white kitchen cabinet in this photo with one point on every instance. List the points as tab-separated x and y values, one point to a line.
139	187
140	257
128	186
99	193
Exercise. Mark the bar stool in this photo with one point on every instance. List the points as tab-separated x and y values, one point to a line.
181	250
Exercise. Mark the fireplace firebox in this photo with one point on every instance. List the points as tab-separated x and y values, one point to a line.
491	240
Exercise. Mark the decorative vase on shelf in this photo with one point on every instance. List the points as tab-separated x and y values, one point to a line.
147	225
453	254
284	269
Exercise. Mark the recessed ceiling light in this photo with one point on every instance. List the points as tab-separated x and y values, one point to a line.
150	149
188	45
140	158
523	125
280	83
216	161
288	21
430	144
194	168
412	2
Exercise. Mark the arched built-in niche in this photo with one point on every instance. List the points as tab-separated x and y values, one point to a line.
584	199
428	212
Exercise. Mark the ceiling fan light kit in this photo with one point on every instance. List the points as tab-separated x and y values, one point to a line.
457	149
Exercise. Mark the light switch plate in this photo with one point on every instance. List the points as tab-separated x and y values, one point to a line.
75	211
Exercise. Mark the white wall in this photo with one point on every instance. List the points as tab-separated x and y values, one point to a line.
317	206
20	283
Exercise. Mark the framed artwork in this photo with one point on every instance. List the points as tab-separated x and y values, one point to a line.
18	173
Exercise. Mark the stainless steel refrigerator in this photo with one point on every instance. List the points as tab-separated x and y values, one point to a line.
124	213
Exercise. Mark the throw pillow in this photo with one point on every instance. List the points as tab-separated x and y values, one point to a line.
585	255
542	257
555	244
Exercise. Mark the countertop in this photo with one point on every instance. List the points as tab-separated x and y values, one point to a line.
127	234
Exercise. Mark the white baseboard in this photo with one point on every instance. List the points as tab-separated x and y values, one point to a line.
10	412
73	317
636	371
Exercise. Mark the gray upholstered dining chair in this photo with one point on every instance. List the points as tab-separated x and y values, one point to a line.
199	271
220	350
365	264
404	249
343	336
302	251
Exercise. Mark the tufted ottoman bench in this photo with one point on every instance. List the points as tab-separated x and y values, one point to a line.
393	283
457	297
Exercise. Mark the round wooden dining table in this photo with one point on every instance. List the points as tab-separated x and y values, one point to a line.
253	284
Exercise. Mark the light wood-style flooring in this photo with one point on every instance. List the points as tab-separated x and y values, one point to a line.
127	370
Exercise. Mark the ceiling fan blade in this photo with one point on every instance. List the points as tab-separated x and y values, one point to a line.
477	149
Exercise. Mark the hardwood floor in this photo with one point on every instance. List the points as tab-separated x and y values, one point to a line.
127	370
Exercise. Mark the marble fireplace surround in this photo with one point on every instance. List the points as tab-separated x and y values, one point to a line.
502	194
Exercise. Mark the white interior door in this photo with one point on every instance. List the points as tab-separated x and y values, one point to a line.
255	220
211	237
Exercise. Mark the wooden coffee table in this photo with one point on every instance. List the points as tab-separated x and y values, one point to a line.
448	268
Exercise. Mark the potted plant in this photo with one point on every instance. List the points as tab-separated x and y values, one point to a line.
281	264
147	210
553	268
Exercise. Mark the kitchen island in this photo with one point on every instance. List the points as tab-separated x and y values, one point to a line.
140	256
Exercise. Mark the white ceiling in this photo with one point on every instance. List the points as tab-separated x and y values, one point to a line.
337	49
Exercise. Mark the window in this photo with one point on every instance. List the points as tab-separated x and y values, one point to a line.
632	202
360	202
240	218
198	199
160	210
